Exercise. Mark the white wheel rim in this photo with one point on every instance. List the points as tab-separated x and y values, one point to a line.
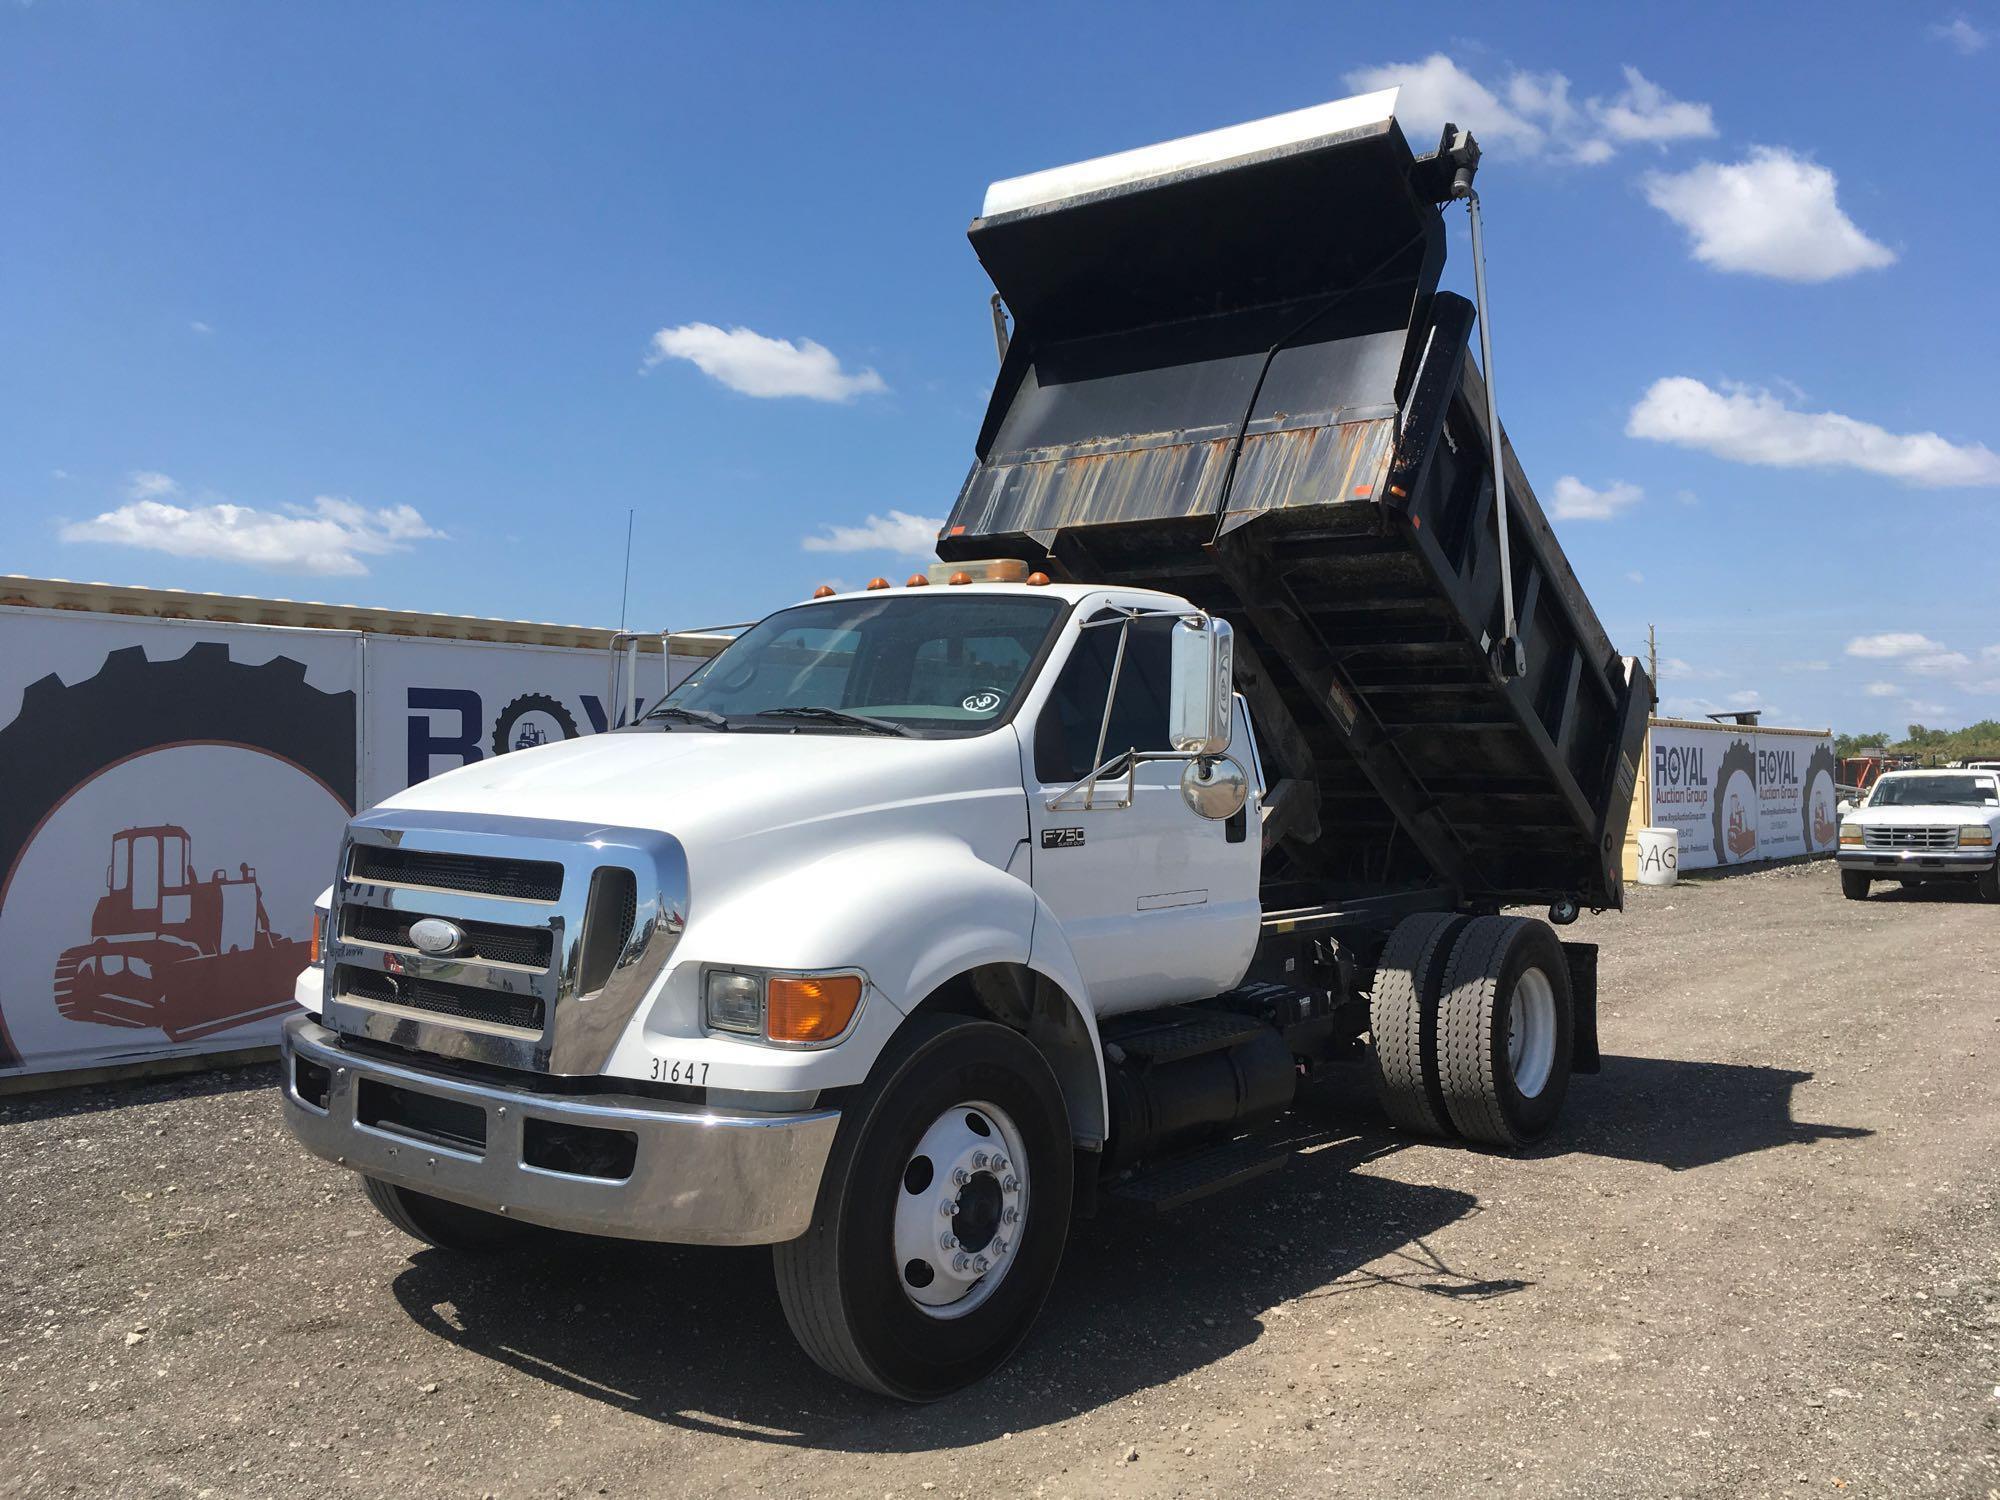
1531	1032
961	1206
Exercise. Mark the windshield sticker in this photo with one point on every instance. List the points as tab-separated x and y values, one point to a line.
982	702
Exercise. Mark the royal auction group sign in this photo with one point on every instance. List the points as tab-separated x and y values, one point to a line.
1737	795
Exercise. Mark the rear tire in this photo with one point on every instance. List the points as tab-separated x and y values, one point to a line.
1854	885
1505	1031
438	1221
870	1314
1402	1020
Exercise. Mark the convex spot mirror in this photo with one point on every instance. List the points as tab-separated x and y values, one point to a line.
1215	788
1200	684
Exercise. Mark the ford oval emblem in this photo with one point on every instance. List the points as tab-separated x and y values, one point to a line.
436	936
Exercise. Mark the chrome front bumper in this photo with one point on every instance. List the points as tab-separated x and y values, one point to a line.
697	1176
1908	864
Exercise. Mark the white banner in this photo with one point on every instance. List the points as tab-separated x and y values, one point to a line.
172	795
1740	796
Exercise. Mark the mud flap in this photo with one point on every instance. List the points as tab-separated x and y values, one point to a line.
1582	959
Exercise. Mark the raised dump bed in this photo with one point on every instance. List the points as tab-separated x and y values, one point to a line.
1232	376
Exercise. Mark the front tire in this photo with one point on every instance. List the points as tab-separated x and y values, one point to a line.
1505	1031
440	1222
1988	884
911	1282
1854	885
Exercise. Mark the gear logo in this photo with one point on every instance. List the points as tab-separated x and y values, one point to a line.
1736	804
530	720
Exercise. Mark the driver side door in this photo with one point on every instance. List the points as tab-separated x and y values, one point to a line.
1159	904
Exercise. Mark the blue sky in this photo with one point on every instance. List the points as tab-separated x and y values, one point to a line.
406	305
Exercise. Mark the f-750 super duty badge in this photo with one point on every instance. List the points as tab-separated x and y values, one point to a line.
1062	838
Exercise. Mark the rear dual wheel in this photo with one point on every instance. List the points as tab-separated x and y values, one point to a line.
1473	1028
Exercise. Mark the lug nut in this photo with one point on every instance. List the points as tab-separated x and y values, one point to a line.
980	1264
999	1248
949	1208
961	1262
947	1241
961	1176
999	1163
1010	1183
1010	1214
979	1158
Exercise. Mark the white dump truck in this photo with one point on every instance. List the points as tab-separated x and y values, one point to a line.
1249	688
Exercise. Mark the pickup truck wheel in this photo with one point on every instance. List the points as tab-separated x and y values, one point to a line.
438	1221
1854	885
1402	1021
1505	1030
941	1217
1988	884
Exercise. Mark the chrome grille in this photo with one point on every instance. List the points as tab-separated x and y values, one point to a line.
1910	838
565	928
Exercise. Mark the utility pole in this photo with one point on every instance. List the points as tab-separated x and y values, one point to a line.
1653	663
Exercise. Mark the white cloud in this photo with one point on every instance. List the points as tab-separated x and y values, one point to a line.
1964	37
1757	427
1437	91
1573	500
1532	114
1772	214
59	473
1674	667
1892	644
898	532
1881	690
149	484
1635	576
1940	664
197	326
756	365
1647	113
331	536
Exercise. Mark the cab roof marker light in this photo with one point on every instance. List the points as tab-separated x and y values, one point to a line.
1189	153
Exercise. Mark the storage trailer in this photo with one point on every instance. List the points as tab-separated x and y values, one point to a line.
1250	685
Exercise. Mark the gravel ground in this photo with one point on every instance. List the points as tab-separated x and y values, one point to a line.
1758	1258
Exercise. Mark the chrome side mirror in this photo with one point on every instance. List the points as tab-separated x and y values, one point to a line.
1216	788
1200	682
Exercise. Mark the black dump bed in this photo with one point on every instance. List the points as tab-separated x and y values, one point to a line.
1238	382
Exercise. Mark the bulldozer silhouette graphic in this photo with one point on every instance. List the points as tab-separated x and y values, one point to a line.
172	952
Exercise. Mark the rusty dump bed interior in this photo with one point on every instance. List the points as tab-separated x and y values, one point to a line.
1240	383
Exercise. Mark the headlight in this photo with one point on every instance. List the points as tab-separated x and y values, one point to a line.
735	1002
1975	833
796	1009
1850	834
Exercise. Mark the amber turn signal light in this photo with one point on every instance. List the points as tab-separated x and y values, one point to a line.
810	1010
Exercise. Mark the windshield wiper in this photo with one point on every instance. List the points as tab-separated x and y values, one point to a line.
838	716
706	716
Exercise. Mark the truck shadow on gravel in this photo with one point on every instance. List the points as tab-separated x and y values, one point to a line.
1683	1115
694	1337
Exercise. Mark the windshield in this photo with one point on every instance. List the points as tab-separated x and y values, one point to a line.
1932	791
938	666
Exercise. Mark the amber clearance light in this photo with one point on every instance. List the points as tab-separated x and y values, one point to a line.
815	1009
312	954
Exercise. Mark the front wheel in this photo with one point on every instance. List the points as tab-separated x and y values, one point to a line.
941	1216
1988	884
1854	885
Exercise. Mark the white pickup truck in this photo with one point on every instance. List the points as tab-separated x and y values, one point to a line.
923	918
1917	827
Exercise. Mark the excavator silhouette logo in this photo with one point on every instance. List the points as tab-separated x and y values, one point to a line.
171	952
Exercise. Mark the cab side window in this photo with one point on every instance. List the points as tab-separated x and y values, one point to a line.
1066	733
